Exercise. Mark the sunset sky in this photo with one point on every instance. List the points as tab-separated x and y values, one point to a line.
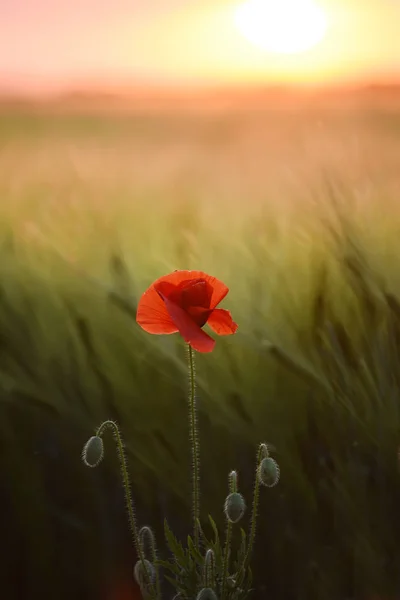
51	44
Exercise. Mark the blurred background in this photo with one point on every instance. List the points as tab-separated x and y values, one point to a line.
258	141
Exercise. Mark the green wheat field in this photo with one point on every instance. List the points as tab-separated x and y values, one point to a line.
297	210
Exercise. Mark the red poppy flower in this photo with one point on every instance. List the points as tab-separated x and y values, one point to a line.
184	302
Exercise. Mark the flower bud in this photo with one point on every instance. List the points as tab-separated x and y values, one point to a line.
235	507
268	472
139	573
93	451
206	594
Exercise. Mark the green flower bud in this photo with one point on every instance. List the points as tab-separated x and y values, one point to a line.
268	472
206	594
235	507
139	573
93	451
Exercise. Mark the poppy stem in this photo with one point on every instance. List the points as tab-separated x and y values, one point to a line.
262	452
128	499
195	446
228	541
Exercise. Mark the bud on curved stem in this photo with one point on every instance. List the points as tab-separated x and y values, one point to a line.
261	454
93	451
140	572
147	540
128	498
233	502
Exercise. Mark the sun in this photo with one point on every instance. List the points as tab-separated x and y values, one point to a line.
282	26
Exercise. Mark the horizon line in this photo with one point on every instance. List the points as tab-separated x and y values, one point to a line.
130	90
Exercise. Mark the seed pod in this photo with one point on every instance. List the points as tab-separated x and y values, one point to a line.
139	573
93	451
235	507
268	472
206	594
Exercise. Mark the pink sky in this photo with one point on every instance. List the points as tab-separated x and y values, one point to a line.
58	43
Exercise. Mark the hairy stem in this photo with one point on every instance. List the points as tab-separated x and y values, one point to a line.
147	532
209	569
262	453
128	496
262	450
228	541
195	446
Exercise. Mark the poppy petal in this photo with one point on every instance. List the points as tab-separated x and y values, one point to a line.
197	293
219	289
189	330
152	314
220	321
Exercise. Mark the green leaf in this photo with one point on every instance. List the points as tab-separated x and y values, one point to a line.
194	552
169	565
216	546
214	528
241	554
174	545
176	585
